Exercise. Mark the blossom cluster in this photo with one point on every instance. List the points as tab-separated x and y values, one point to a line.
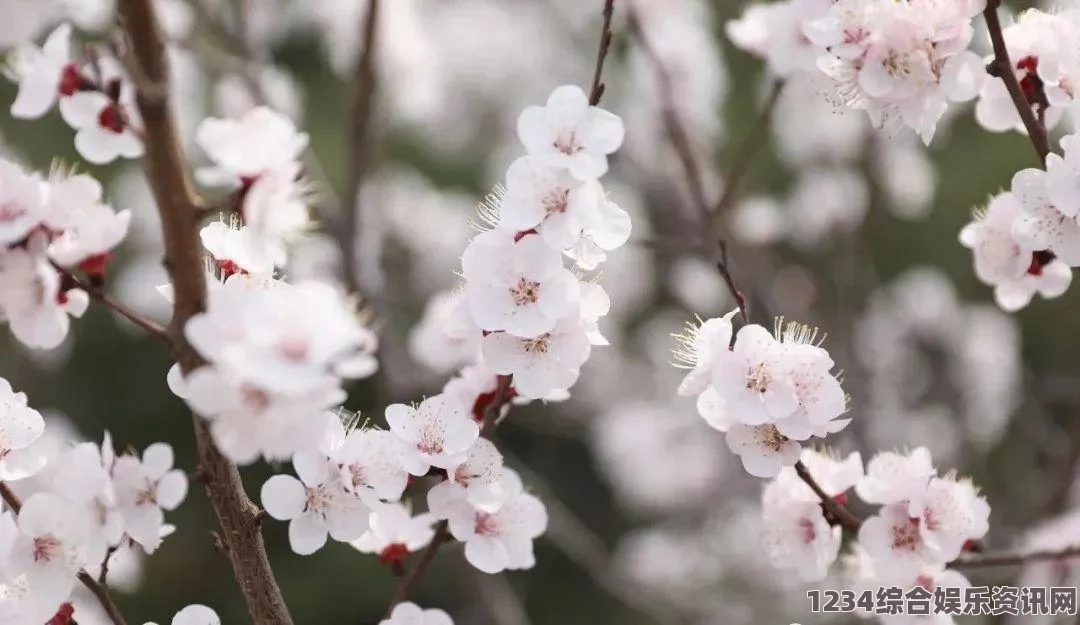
925	520
1046	63
766	392
78	507
1026	240
50	227
96	98
901	62
536	317
277	352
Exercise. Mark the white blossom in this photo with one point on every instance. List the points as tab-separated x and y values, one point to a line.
495	540
571	133
438	432
408	613
393	532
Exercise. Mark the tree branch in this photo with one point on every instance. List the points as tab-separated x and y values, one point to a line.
747	148
840	513
98	589
360	149
153	328
597	90
1004	70
407	583
724	267
494	409
673	127
1014	559
166	170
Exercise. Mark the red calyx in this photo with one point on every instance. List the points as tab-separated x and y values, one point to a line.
1039	260
524	233
394	552
111	118
63	615
483	400
95	265
228	268
841	499
1030	84
71	80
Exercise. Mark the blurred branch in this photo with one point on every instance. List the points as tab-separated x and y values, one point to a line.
178	206
1002	68
1014	559
360	144
570	535
747	148
96	588
498	598
153	328
673	127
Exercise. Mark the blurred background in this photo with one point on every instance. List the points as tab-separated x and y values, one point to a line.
653	520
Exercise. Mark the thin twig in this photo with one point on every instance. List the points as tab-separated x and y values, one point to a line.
724	267
606	34
103	574
360	144
406	585
178	207
98	589
571	535
839	512
1014	559
747	148
1004	70
673	127
153	328
494	408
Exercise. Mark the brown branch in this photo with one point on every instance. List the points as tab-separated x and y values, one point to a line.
747	148
1014	559
98	589
166	170
1003	69
360	144
153	328
597	90
407	583
678	137
840	513
724	267
103	574
494	408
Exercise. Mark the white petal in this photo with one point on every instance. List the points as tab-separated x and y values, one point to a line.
196	615
487	554
283	497
157	459
172	489
307	534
